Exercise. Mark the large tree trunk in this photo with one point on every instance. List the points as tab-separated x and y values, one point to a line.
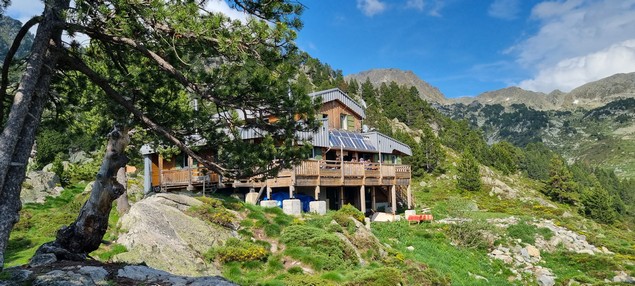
17	138
76	241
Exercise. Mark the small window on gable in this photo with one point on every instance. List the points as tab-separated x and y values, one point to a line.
343	122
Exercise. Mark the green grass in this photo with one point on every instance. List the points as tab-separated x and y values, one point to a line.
581	267
434	249
39	224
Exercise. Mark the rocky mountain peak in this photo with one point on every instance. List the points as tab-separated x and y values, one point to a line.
408	78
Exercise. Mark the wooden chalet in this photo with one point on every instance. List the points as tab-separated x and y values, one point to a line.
348	164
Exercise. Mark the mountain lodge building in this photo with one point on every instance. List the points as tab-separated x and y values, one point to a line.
348	164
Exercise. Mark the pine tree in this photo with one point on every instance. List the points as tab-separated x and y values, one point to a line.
560	186
469	177
598	204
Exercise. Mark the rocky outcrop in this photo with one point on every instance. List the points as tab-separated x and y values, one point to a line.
162	236
76	274
38	185
525	258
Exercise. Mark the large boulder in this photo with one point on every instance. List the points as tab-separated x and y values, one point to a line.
161	235
38	185
80	157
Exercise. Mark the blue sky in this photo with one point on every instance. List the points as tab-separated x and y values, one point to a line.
465	47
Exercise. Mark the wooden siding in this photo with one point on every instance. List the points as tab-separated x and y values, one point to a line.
334	109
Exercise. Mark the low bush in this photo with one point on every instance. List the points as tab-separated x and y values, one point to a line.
317	247
217	215
527	232
238	251
348	211
376	277
471	234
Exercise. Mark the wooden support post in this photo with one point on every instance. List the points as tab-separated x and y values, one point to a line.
161	172
341	197
409	194
373	198
393	199
268	191
362	199
317	193
291	191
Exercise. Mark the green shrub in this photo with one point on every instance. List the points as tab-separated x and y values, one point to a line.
425	277
317	247
523	231
376	277
470	234
306	280
295	270
237	250
546	233
349	210
217	215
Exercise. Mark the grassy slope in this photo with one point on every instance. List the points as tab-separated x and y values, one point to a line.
39	224
433	244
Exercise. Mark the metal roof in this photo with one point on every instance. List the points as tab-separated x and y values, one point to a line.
388	144
339	95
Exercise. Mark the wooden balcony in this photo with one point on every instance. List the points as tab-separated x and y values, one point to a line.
307	173
171	179
338	173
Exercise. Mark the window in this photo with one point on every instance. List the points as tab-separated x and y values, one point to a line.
343	122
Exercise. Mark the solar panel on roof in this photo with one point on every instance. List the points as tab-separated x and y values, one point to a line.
350	141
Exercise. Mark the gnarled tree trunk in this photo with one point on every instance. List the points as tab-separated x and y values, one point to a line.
76	241
17	137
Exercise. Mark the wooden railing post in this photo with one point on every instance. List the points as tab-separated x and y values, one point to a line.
342	171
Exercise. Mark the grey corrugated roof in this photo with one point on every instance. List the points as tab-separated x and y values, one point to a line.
388	144
337	94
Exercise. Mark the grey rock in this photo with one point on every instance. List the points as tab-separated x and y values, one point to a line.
79	157
622	277
141	273
17	276
410	248
42	259
146	274
62	278
38	185
586	251
97	274
544	277
162	236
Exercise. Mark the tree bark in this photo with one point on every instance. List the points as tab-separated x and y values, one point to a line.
123	205
16	140
77	240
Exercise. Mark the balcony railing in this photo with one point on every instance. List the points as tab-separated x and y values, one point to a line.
307	173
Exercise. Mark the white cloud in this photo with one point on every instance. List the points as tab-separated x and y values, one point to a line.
504	9
573	72
572	36
415	4
371	7
222	7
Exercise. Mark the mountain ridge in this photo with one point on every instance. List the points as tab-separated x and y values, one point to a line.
588	96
